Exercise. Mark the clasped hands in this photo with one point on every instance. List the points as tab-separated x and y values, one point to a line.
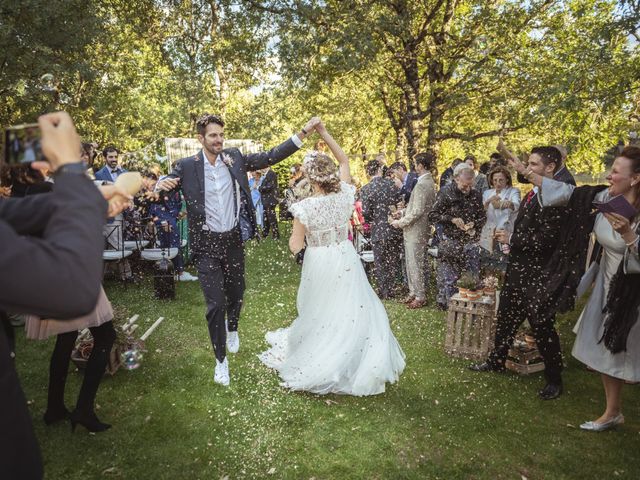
465	227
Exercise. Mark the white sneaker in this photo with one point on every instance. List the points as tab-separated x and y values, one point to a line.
233	342
221	373
186	277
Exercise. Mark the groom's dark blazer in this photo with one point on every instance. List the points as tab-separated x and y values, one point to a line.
190	171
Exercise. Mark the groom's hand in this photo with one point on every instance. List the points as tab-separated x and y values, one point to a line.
309	127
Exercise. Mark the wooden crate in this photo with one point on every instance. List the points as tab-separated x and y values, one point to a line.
524	360
471	328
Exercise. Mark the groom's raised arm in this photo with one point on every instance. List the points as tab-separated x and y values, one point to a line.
258	161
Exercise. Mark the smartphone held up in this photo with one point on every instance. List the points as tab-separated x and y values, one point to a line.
22	144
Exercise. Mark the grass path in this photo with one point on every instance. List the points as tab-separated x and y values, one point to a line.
441	421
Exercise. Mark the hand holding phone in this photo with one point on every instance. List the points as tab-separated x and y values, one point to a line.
60	140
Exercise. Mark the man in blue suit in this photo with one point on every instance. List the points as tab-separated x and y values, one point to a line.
215	186
112	168
406	180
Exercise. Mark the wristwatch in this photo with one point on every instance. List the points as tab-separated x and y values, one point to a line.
78	168
304	131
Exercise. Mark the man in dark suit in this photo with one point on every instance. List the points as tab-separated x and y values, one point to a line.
563	174
221	215
51	263
112	168
406	180
377	197
269	195
535	234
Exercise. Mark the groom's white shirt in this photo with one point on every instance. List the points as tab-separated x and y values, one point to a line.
218	197
218	194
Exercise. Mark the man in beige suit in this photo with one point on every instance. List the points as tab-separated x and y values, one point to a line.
415	228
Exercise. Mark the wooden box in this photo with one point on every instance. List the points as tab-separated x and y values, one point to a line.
524	359
471	328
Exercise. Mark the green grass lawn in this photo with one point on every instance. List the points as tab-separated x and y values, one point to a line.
170	421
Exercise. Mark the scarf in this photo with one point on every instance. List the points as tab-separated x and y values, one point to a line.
621	310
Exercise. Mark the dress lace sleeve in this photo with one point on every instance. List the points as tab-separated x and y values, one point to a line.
348	190
298	211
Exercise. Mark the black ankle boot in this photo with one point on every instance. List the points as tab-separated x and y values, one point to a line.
88	420
54	415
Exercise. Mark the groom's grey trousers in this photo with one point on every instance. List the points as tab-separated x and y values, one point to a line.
220	263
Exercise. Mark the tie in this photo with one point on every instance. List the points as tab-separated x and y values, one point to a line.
529	197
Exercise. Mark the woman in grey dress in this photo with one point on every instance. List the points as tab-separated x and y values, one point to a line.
619	268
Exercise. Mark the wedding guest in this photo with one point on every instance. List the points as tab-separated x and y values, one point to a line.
377	197
501	202
459	210
99	322
269	195
496	160
563	174
112	168
532	244
480	179
404	180
297	189
415	226
255	179
608	332
165	209
52	264
447	176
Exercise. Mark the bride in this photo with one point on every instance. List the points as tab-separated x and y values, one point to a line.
341	341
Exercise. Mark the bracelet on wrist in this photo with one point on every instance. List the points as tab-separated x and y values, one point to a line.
304	131
633	242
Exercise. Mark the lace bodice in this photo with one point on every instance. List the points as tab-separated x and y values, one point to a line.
326	217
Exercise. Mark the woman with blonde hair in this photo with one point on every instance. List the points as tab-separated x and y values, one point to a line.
341	341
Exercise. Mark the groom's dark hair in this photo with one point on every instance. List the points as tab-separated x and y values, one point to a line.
205	119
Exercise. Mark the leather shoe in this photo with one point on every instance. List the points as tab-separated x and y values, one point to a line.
601	427
485	367
416	304
550	391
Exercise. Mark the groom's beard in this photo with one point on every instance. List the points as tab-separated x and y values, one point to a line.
214	149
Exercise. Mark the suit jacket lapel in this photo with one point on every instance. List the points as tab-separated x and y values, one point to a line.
199	166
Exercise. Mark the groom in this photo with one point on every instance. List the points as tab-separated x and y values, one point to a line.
221	217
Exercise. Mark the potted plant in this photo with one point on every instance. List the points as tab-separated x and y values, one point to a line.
467	286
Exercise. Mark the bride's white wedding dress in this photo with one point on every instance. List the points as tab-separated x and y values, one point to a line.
341	341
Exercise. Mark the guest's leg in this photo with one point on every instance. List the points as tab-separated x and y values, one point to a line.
58	370
449	275
410	266
234	284
613	393
103	338
211	277
379	267
419	255
266	222
548	343
511	314
270	214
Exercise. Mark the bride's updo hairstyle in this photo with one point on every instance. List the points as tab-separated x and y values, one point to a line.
321	170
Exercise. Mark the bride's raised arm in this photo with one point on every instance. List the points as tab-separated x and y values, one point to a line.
338	153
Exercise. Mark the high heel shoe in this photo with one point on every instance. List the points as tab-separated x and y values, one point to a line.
52	416
601	427
87	420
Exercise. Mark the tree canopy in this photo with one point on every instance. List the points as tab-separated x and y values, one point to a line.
397	76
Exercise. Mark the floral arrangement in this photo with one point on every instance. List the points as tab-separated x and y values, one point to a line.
490	282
